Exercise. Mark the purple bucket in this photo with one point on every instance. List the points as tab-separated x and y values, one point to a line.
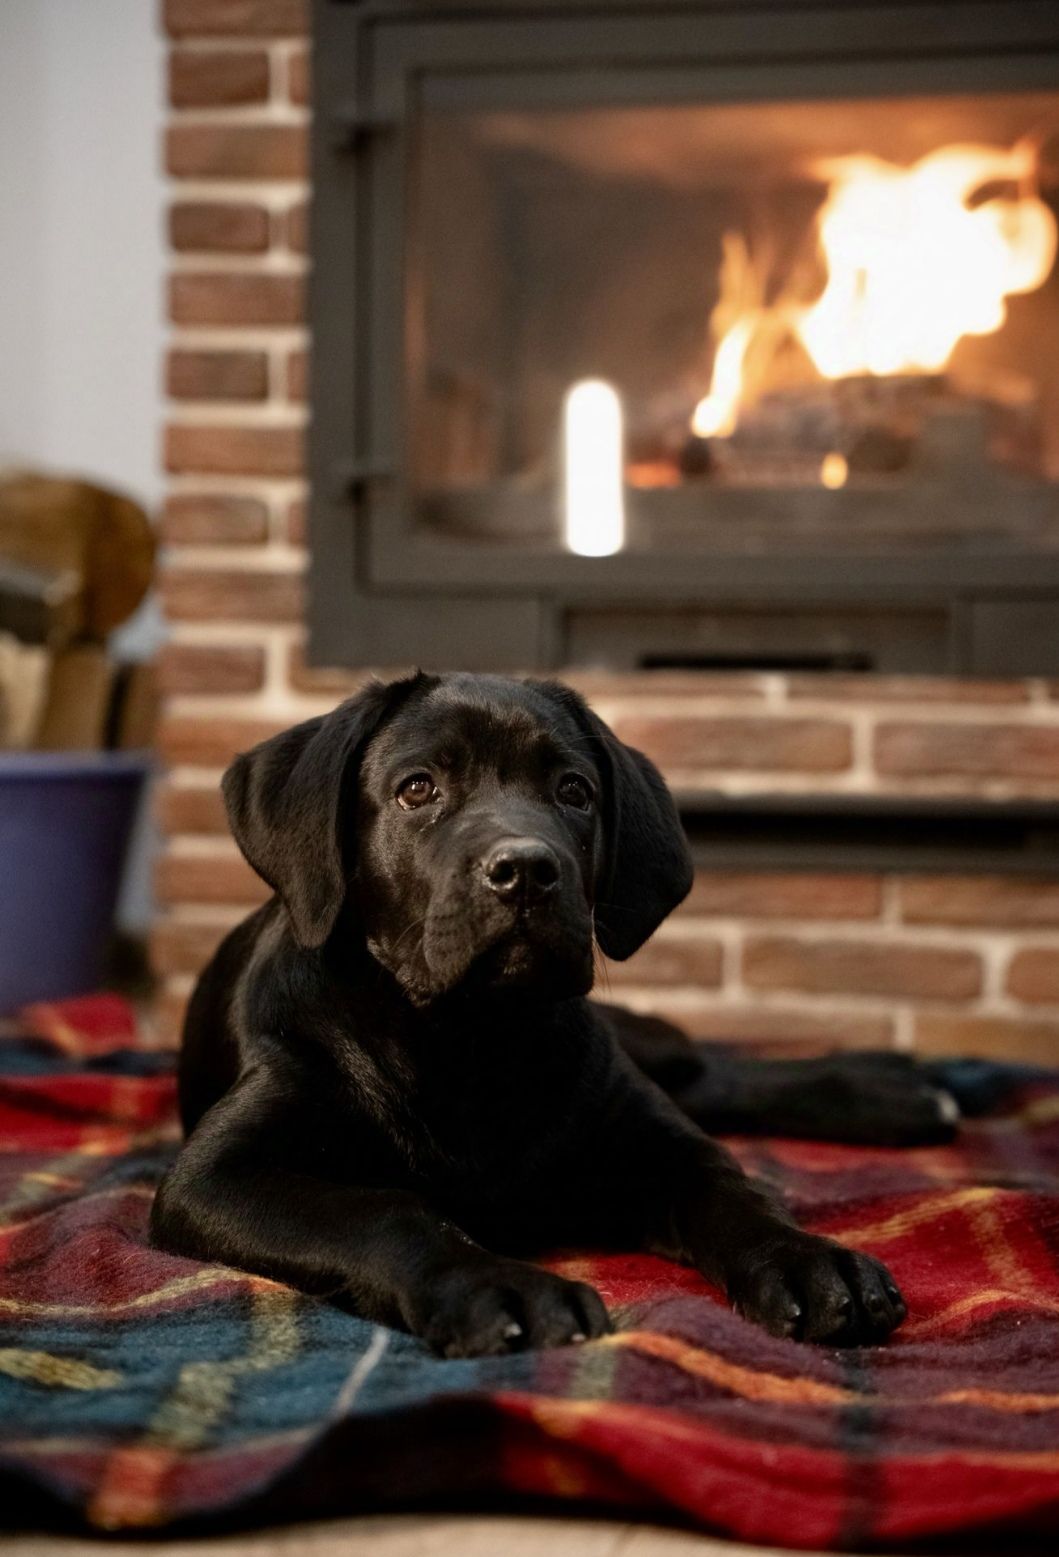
65	822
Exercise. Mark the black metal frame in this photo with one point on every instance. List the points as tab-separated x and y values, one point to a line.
381	590
872	832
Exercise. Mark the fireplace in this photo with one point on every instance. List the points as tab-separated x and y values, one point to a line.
687	334
878	855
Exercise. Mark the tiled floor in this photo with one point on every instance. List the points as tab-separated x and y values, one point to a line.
412	1535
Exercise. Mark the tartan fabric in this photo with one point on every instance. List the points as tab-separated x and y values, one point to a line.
139	1390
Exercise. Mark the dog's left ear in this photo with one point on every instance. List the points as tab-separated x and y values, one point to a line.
648	869
284	802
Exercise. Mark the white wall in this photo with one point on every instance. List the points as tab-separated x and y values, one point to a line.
81	265
81	256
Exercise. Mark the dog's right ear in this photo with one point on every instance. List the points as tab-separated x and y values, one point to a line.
284	802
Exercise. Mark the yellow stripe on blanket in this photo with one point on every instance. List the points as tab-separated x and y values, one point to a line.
55	1372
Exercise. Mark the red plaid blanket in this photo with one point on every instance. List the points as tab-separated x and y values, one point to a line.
140	1390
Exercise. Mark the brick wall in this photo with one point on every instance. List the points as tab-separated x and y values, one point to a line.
941	963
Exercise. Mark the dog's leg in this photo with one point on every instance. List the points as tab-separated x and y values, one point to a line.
239	1194
682	1195
878	1098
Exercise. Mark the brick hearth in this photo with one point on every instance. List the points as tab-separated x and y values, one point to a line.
938	962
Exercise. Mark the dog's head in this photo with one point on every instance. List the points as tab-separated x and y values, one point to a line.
480	830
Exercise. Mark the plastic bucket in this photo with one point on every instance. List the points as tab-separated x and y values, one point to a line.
65	822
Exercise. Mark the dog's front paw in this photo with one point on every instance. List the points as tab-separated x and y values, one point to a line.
813	1289
485	1308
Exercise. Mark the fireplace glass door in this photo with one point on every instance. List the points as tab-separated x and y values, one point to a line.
682	330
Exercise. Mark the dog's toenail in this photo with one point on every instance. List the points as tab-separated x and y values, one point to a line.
579	1336
948	1108
512	1331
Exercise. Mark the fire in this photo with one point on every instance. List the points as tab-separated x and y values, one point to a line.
716	414
916	258
913	266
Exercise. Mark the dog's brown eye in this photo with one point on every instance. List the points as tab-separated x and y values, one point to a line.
574	791
418	790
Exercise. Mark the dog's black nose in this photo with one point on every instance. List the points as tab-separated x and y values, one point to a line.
521	867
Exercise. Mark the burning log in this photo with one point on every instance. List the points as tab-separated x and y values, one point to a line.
868	427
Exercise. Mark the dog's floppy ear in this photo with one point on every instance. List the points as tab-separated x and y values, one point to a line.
284	801
648	869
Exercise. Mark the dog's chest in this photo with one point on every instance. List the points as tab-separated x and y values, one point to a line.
487	1125
481	1126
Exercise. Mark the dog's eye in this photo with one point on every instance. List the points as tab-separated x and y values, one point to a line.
417	790
574	791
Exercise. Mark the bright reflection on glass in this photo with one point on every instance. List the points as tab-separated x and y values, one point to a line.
834	471
593	465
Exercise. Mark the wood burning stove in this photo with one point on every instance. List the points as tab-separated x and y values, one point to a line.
692	334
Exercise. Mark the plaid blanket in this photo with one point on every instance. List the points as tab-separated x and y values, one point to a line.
139	1390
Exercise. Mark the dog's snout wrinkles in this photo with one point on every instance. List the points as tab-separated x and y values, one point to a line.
521	868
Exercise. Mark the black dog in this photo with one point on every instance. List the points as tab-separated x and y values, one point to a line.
390	1071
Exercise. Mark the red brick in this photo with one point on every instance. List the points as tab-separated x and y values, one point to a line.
215	78
321	679
1033	975
728	684
296	522
273	450
232	299
238	18
777	895
221	594
332	680
204	667
211	520
861	968
670	959
753	743
212	740
774	1026
298	375
990	1037
273	151
299	81
182	946
208	878
906	689
190	808
988	900
1003	751
217	375
296	228
210	226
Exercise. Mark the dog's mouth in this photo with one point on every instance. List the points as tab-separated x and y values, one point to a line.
520	958
549	952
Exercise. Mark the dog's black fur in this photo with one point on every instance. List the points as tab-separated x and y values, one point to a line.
391	1080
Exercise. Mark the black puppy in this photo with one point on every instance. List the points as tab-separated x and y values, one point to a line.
392	1081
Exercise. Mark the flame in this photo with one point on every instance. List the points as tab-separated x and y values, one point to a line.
915	260
913	267
717	413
